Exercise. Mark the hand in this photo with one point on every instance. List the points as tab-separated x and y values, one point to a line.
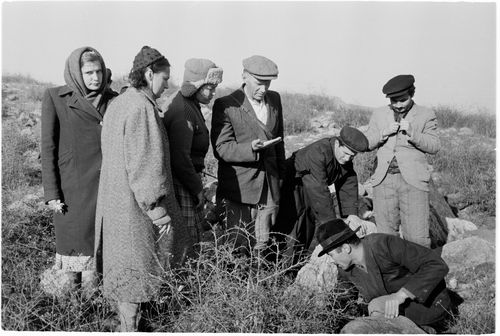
163	221
257	145
354	222
405	126
57	206
392	129
388	305
200	199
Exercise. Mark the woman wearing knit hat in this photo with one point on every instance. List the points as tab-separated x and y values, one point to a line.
189	138
71	159
143	232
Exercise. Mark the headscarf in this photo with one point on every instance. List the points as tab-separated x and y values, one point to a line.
74	79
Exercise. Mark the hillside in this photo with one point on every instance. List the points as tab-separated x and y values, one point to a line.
215	297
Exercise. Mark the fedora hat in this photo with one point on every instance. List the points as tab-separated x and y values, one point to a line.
333	234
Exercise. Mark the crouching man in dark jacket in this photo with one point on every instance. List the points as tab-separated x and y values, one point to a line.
305	197
395	276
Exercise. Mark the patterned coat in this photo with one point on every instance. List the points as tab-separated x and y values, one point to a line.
135	189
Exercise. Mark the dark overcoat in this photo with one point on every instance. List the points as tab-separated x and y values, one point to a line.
305	197
393	263
241	171
71	163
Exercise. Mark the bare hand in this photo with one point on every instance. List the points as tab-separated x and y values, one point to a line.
57	206
392	129
389	303
354	222
200	199
405	126
257	145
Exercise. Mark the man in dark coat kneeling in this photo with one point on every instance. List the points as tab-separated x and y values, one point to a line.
306	201
394	276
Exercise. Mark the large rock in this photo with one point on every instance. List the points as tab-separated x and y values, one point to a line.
381	325
458	227
315	280
468	252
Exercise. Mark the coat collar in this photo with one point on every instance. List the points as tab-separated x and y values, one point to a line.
246	106
75	101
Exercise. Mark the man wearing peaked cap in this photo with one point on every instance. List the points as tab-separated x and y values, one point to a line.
250	165
403	132
394	276
305	197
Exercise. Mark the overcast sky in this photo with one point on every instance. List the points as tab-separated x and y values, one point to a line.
344	49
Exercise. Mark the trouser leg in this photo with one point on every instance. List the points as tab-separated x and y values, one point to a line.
265	219
386	205
414	205
239	218
129	313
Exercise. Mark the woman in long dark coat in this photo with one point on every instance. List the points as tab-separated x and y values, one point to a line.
189	139
71	159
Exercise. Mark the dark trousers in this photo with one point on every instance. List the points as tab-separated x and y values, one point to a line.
295	216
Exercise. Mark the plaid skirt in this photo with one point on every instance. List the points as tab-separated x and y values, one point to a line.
193	216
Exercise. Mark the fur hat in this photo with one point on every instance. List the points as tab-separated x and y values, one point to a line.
198	72
146	57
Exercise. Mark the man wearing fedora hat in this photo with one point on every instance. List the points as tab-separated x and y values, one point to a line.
394	276
305	197
403	132
246	135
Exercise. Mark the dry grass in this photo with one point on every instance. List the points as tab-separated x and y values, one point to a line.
217	293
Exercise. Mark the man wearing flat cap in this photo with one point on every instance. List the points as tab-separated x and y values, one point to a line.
394	276
250	166
403	132
305	197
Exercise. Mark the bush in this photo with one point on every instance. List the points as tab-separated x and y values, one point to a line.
480	123
14	145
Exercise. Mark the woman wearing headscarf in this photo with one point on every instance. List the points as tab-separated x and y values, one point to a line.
71	160
138	218
189	138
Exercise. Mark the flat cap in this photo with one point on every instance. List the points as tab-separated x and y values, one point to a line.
398	86
353	139
261	67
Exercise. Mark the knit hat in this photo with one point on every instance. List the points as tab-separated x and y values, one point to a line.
353	139
198	72
261	67
146	57
398	86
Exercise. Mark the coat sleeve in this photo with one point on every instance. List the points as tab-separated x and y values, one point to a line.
347	191
316	186
224	142
50	139
180	135
280	148
374	132
427	140
145	162
427	267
